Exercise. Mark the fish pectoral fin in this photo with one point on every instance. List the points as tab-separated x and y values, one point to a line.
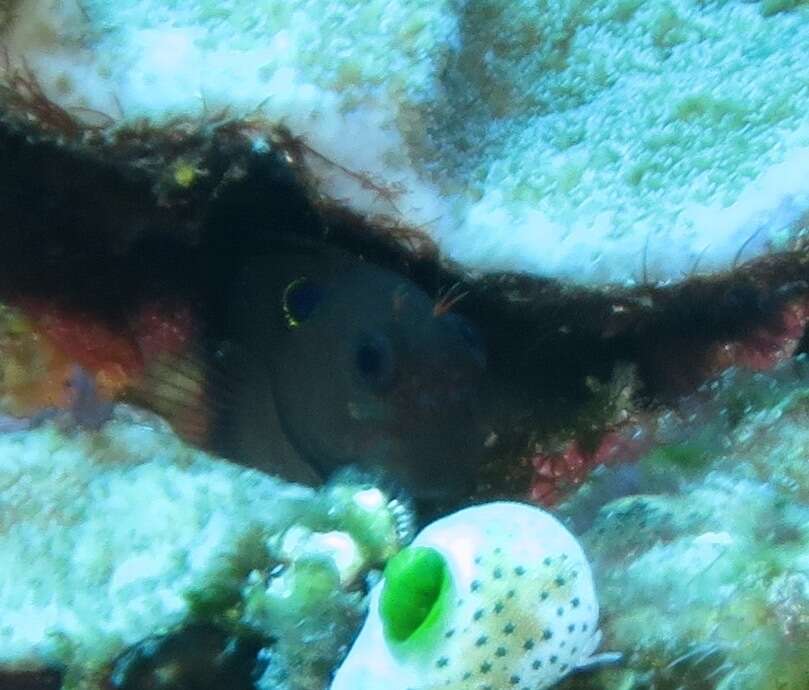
176	387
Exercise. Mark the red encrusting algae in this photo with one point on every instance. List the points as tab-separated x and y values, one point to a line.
53	356
556	472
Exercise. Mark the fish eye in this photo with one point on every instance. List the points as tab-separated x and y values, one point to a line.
471	336
374	361
301	297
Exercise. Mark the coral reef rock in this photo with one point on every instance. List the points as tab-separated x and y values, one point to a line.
600	142
703	571
111	539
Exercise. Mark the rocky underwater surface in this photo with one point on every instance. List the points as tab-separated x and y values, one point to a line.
404	345
616	140
703	565
133	561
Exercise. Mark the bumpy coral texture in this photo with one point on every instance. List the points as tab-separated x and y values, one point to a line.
113	536
599	142
703	568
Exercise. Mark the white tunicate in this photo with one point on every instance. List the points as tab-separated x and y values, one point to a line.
519	609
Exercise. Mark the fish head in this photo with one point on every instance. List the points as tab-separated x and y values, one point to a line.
369	372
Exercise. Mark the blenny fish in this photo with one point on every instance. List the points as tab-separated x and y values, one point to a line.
340	362
322	361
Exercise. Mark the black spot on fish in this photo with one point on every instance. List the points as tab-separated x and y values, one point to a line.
375	362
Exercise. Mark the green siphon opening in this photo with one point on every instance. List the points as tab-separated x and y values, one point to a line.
415	589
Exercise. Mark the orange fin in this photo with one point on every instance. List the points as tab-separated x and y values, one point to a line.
177	387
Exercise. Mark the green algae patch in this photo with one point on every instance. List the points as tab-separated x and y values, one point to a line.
680	459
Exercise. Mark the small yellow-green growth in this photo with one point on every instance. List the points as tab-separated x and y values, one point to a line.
185	174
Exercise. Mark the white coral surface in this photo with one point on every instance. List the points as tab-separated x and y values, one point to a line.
102	537
605	141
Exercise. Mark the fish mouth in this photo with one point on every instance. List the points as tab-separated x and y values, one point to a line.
427	465
435	491
370	411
